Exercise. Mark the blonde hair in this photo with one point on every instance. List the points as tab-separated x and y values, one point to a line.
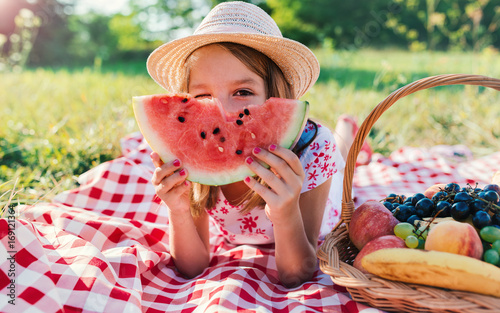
203	196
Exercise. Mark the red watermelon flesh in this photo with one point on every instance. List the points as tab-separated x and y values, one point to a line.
212	143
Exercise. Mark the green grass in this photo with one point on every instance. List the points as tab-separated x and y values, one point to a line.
56	124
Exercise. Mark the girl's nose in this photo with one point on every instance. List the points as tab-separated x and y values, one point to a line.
226	104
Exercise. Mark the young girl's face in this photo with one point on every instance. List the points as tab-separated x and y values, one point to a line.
216	73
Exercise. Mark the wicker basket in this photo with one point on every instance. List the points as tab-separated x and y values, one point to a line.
337	253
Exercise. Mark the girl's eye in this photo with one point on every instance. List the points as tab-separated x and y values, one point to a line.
243	92
203	96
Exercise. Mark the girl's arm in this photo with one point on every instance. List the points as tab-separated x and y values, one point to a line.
296	218
188	236
189	242
297	237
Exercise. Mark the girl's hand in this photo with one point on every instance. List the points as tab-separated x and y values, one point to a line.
170	183
284	178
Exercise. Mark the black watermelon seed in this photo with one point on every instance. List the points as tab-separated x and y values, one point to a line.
239	152
184	100
246	112
181	119
203	135
239	122
222	139
216	131
241	115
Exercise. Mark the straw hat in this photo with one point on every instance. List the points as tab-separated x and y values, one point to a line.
242	23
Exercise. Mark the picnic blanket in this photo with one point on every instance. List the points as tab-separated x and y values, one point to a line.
103	246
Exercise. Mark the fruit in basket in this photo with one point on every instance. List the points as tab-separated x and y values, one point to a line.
435	268
403	230
432	190
382	242
490	234
496	246
212	143
455	237
491	256
369	221
460	211
478	206
494	186
481	219
491	196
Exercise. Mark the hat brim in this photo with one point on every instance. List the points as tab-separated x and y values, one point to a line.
299	65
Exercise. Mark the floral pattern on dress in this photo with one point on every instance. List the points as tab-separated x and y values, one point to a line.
320	160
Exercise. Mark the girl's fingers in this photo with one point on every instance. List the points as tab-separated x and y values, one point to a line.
165	170
169	182
155	157
260	189
178	188
282	161
289	157
267	176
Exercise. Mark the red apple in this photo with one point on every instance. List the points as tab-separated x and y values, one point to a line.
382	242
369	221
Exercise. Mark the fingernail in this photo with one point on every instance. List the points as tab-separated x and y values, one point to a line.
249	160
182	172
176	163
247	179
272	147
186	183
256	150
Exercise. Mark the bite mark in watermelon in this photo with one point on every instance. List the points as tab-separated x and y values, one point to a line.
212	143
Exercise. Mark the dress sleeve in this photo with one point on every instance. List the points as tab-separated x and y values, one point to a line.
321	159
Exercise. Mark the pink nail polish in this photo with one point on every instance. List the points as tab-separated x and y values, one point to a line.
176	163
247	179
249	160
272	147
256	150
182	172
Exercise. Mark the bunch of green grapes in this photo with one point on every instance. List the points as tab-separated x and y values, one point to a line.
490	237
413	235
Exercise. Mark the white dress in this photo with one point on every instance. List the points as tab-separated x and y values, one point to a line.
320	160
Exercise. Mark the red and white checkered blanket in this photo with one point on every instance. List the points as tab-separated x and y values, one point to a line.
103	246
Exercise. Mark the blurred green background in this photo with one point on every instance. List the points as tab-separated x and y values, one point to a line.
68	69
83	32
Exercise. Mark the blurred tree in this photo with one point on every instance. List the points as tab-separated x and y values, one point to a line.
92	39
336	23
419	24
166	20
50	47
53	33
448	24
15	48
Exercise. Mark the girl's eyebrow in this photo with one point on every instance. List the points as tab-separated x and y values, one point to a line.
244	81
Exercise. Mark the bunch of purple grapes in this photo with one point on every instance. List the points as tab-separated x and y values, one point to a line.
461	203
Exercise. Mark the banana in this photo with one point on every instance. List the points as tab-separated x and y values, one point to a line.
435	268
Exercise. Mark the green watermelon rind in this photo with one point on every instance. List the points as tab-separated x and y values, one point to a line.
289	140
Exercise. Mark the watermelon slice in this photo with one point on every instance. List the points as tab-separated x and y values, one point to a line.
212	143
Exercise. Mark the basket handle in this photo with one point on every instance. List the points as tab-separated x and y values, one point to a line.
425	83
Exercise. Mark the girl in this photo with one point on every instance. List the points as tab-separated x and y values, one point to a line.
238	56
